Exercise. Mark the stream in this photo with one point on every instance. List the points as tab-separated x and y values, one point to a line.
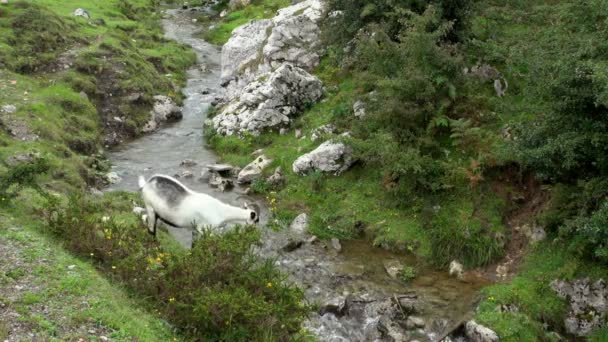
358	299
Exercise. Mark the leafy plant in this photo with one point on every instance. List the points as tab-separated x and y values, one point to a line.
407	274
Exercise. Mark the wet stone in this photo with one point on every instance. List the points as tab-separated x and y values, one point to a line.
337	306
335	244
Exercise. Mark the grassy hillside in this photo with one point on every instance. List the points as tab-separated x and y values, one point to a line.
69	88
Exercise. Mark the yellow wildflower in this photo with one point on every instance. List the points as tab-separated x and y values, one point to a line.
113	267
171	299
269	285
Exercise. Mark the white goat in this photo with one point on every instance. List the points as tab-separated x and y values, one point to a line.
173	203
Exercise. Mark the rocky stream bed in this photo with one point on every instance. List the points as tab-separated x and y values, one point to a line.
354	284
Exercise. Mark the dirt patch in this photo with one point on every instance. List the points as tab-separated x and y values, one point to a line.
16	128
525	197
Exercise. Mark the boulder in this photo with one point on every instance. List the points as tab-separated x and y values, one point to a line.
334	157
478	333
588	304
240	55
295	36
262	46
269	103
254	170
80	12
299	225
456	269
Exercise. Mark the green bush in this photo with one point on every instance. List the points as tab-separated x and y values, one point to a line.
22	175
218	290
407	274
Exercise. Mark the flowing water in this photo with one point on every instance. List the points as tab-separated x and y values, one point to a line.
356	272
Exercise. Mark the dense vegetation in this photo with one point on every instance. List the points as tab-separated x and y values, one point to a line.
448	168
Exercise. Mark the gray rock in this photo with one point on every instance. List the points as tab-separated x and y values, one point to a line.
295	36
257	152
334	157
3	2
276	179
298	133
220	168
222	183
9	109
456	269
588	304
393	268
414	322
269	103
478	333
164	110
410	304
299	225
254	170
337	305
335	244
187	163
359	109
187	174
113	178
240	55
534	233
80	12
322	130
262	46
283	131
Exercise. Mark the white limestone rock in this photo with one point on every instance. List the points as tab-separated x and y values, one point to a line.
270	103
334	157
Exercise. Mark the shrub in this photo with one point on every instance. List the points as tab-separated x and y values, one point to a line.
407	274
21	176
218	290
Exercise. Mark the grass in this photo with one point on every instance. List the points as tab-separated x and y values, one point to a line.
530	292
71	291
356	204
259	9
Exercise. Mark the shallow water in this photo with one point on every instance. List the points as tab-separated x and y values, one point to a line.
358	270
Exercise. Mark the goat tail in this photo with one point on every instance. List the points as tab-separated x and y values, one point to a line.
141	182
